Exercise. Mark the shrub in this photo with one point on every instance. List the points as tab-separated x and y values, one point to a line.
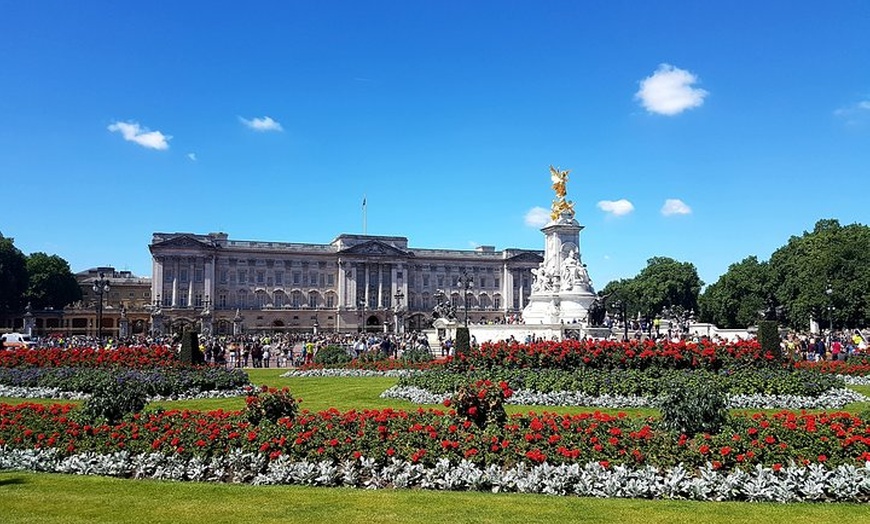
331	355
270	404
415	355
463	341
689	410
113	399
768	337
372	355
482	402
190	352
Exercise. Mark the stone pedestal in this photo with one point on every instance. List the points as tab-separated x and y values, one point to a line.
237	323
157	322
561	291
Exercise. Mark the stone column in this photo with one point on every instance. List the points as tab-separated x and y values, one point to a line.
208	284
191	274
366	283
507	288
380	286
342	285
175	267
156	278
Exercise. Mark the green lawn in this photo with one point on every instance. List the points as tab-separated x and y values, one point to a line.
50	498
319	394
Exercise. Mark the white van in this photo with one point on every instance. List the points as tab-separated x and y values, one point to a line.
16	340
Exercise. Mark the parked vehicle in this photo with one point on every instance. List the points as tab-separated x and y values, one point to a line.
16	340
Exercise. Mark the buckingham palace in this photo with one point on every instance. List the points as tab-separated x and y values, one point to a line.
354	283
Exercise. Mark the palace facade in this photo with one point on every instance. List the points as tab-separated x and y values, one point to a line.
354	283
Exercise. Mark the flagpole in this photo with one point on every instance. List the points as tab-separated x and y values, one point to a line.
365	209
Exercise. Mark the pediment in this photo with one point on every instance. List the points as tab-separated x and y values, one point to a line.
183	241
374	248
528	256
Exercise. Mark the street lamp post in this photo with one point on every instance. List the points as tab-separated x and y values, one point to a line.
101	287
622	310
361	312
397	312
467	282
830	291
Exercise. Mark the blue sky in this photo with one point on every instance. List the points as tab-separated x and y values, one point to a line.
271	121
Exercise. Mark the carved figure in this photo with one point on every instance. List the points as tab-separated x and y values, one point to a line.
571	271
560	205
543	279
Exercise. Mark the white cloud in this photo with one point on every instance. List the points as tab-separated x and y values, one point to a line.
669	91
133	132
855	113
192	156
616	207
675	206
262	124
537	217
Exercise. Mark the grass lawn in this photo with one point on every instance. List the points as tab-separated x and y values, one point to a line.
50	498
346	393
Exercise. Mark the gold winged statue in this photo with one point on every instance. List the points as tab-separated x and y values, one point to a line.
560	205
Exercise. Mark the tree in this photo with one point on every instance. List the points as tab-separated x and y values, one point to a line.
52	284
664	282
737	297
13	276
830	255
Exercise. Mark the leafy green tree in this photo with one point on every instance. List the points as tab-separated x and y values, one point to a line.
830	255
52	284
664	282
13	276
736	299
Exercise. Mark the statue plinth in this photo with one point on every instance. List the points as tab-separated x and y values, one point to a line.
561	289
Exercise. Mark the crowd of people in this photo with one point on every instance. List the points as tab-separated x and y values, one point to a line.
296	349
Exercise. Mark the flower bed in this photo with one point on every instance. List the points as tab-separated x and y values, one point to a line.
160	381
75	373
855	366
425	436
831	399
751	451
136	357
813	483
598	354
635	382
